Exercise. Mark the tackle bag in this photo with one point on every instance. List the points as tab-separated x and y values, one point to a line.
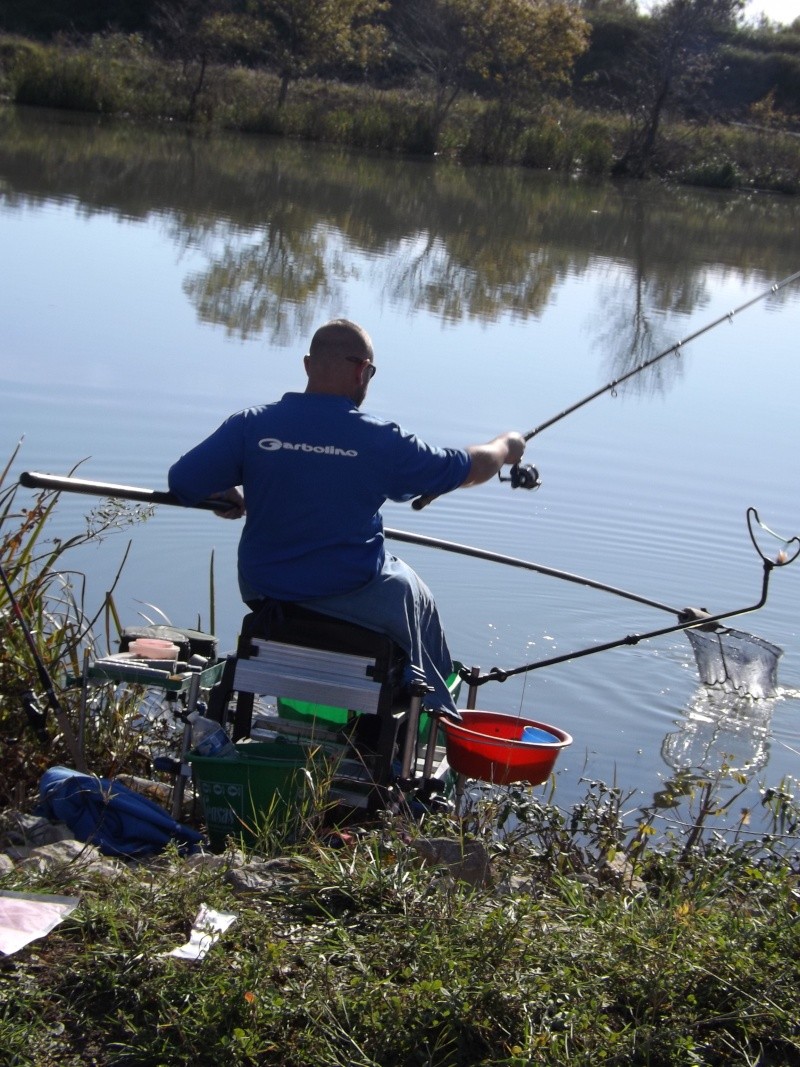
110	816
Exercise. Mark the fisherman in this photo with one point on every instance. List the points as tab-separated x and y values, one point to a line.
314	472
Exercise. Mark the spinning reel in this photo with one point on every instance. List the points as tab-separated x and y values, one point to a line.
522	477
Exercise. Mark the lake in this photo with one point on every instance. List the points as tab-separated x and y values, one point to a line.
155	280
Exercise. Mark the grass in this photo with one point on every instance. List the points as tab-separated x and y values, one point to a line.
610	933
359	954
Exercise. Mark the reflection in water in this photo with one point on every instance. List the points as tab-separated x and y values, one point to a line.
280	225
271	284
720	731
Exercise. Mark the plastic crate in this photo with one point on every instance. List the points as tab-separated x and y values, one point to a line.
237	793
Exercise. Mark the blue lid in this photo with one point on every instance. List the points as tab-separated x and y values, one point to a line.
532	735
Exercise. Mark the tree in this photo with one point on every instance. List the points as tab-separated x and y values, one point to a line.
674	61
512	49
518	48
299	37
186	31
430	35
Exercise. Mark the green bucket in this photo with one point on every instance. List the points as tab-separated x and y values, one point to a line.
236	793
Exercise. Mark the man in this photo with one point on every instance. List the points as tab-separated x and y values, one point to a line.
315	471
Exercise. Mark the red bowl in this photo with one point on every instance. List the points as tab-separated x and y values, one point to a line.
487	745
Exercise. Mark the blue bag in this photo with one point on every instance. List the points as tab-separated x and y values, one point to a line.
108	815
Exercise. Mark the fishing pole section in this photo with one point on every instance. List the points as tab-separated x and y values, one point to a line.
723	655
732	646
526	476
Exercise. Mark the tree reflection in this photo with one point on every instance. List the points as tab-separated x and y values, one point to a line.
284	226
654	286
271	285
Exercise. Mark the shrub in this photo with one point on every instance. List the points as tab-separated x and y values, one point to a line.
594	148
546	146
52	77
715	174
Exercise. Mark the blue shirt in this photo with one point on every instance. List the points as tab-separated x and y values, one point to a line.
315	472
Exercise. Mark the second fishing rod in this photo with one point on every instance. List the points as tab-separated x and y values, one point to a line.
526	476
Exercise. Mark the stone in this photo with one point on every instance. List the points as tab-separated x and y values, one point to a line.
467	861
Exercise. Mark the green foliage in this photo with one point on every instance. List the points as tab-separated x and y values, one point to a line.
746	76
714	174
594	148
733	157
516	48
185	80
51	602
60	79
359	953
297	38
546	146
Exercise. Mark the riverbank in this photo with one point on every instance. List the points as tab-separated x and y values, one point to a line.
119	75
448	944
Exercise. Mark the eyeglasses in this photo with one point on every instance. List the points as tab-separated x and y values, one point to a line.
371	368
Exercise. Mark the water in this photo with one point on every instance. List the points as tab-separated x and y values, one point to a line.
153	282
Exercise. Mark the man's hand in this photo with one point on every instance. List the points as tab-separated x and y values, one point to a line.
235	502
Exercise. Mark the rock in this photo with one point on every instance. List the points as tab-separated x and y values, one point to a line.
620	870
213	861
17	828
467	861
263	876
77	856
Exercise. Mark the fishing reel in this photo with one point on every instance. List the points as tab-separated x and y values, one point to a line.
526	477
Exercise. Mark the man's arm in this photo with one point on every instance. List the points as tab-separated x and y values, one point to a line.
489	458
486	460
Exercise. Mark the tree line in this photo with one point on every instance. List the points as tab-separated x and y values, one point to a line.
690	60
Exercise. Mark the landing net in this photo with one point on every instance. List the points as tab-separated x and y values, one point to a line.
736	660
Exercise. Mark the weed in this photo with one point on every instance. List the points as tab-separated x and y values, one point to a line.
611	932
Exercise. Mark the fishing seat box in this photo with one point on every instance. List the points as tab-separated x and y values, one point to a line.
337	684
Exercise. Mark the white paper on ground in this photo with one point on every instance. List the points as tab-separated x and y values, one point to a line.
207	928
26	916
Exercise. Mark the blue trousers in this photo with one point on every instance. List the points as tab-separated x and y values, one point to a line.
399	604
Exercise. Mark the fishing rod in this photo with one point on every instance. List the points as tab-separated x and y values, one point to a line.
687	616
609	386
734	647
526	476
58	483
739	648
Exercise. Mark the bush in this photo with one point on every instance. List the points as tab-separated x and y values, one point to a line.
716	174
52	77
546	146
594	148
